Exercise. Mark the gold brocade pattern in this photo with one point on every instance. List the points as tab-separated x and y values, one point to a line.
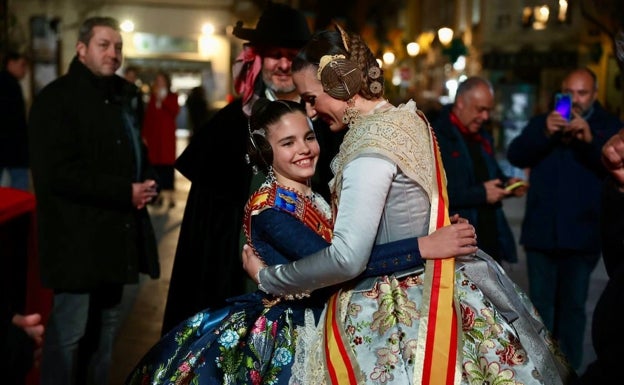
399	134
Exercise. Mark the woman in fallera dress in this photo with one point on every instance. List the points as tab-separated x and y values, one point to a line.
457	320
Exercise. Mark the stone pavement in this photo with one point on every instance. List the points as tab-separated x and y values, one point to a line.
514	209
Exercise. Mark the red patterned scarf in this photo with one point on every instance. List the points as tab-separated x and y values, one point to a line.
470	136
245	70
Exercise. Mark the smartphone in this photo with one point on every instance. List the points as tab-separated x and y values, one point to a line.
514	186
563	105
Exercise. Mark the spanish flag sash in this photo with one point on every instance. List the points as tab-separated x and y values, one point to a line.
436	361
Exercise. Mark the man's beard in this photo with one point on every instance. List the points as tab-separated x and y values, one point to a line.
281	89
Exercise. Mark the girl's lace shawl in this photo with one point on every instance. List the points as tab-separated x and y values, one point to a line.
399	134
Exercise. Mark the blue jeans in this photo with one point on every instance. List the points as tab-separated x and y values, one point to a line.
558	287
18	177
79	339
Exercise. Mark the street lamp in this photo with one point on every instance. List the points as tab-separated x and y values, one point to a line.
388	58
127	25
413	49
445	35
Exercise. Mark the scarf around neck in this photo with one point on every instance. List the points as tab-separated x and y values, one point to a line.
475	137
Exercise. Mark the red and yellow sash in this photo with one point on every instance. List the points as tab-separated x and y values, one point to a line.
436	357
340	368
436	361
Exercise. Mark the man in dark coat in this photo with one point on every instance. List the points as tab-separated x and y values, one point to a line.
13	131
207	267
561	226
92	182
475	181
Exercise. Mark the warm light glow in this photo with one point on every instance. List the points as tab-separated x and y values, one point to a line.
207	45
445	35
379	62
207	42
424	40
396	78
527	12
127	26
451	86
460	63
388	57
563	10
208	29
413	48
540	14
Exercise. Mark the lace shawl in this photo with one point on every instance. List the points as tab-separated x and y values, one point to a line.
400	134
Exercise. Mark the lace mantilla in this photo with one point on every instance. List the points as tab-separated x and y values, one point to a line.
308	366
399	134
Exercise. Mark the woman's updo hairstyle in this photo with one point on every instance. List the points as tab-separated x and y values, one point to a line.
346	66
263	114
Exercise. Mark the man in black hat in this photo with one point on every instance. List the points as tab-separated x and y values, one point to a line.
207	267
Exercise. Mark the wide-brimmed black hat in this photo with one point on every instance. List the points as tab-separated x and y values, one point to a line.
279	26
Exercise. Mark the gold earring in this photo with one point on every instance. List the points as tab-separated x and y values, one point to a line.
351	114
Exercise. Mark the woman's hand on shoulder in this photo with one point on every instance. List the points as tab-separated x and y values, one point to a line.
456	239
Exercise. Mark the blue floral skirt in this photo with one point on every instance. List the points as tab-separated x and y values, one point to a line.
251	341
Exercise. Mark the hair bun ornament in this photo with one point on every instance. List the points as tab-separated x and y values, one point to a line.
325	59
375	87
341	78
374	72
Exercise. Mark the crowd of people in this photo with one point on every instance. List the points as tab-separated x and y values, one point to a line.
348	240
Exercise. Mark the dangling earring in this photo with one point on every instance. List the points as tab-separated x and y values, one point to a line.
270	177
351	114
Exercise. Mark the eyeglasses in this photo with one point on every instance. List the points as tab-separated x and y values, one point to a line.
308	99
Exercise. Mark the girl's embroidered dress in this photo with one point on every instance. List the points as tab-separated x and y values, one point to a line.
251	341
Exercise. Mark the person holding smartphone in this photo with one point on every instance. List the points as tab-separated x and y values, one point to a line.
476	183
561	227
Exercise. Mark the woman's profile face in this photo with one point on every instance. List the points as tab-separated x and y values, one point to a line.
319	104
295	148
